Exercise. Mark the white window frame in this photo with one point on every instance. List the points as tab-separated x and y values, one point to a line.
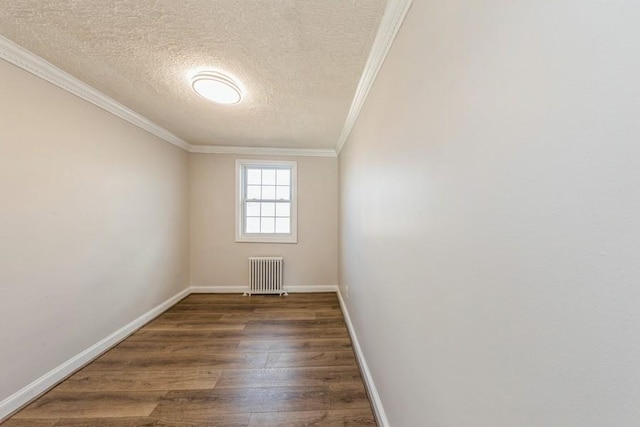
241	236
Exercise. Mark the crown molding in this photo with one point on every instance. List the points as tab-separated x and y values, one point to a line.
37	66
392	19
390	24
263	151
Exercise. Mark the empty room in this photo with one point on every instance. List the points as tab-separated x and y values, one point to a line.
320	213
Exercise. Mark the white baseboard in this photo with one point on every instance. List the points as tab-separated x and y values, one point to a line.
218	289
381	416
29	392
311	288
242	289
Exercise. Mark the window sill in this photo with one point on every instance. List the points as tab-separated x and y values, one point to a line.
267	239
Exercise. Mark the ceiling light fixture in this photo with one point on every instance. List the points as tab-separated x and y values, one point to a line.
216	87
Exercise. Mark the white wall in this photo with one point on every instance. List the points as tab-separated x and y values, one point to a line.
94	225
490	216
216	258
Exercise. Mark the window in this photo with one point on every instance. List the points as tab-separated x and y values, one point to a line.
266	206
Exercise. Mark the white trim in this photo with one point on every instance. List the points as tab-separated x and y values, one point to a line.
311	288
244	288
32	63
218	289
241	236
31	391
267	238
262	151
390	23
53	377
37	66
376	402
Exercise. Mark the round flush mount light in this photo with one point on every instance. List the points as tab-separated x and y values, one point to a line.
216	87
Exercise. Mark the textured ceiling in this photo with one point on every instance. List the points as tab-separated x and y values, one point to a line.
299	61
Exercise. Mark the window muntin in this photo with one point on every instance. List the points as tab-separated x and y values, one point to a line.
267	201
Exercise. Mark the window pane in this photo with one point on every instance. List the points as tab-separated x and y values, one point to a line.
268	192
253	176
253	225
283	177
253	209
253	192
282	193
265	201
268	177
267	225
282	225
283	209
268	209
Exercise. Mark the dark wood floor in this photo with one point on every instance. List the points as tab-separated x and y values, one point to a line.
219	360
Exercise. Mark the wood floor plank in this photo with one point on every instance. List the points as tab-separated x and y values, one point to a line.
348	396
220	420
291	333
95	378
219	360
210	315
207	308
147	335
319	324
30	422
324	308
332	314
268	315
208	403
224	420
157	350
352	418
312	358
345	376
193	325
141	348
215	361
220	316
293	345
92	405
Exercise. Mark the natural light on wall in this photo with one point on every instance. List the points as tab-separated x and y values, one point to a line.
216	87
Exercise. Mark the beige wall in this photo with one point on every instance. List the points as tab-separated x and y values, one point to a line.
490	216
217	260
94	225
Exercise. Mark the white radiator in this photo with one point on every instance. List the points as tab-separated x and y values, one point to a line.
265	275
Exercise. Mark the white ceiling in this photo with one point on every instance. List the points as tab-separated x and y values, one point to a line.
299	61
